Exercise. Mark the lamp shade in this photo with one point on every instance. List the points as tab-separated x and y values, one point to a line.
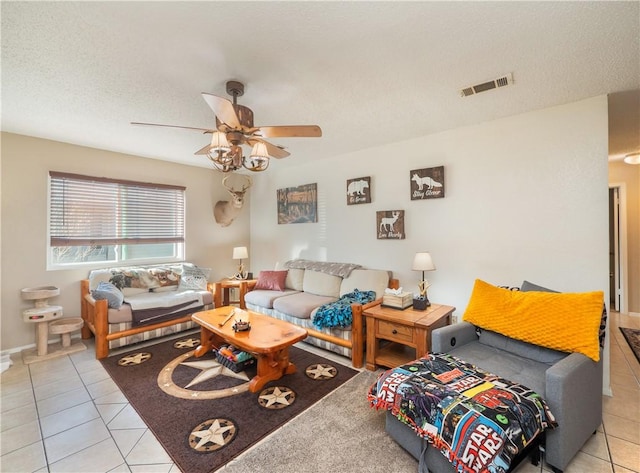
423	262
259	150
240	252
219	142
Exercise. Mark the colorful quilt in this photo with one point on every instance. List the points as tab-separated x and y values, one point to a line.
478	420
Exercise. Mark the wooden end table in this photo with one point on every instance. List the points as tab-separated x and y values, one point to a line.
268	340
221	294
396	337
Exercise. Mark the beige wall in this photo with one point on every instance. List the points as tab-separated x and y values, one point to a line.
525	198
629	176
26	162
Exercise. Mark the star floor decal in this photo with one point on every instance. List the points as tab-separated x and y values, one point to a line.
277	397
134	359
187	343
208	369
321	371
212	435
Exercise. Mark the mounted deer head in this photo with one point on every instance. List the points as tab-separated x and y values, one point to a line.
224	211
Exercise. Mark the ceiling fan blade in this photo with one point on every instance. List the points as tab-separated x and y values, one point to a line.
296	131
204	150
204	130
223	109
273	150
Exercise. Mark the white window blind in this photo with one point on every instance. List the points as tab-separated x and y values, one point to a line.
88	210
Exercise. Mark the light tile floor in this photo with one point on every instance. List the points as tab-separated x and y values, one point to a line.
67	415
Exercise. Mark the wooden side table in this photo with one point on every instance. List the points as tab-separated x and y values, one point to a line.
395	337
221	295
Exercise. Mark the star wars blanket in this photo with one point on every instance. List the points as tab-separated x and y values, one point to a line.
478	420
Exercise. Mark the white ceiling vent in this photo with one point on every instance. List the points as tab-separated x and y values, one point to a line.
503	81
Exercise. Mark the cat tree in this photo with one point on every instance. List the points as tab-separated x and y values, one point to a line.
48	319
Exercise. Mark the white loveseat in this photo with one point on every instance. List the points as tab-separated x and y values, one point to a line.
126	305
311	284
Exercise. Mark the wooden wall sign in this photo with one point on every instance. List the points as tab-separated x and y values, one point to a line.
390	224
298	204
427	183
359	190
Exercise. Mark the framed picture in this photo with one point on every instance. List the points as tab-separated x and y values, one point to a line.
390	224
427	183
359	190
298	204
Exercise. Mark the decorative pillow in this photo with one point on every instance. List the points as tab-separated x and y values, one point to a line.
194	278
108	291
164	276
132	278
602	330
271	280
567	322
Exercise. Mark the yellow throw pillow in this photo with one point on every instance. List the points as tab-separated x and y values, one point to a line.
567	322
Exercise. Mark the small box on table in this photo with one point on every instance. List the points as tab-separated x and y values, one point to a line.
400	301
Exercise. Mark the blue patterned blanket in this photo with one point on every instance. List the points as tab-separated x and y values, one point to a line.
478	420
338	313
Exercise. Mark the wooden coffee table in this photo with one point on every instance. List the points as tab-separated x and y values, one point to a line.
268	340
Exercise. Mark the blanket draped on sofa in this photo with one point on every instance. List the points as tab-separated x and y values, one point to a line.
335	269
339	313
478	420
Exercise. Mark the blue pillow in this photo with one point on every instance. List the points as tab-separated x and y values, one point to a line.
111	293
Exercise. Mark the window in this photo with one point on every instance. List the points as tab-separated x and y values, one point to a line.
93	220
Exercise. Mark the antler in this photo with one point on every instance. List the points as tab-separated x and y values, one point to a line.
249	183
244	187
224	183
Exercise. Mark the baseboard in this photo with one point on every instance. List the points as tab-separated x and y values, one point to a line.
10	351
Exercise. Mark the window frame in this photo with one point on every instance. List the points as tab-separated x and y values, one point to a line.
118	242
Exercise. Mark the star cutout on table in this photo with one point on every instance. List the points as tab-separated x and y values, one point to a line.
321	371
276	398
210	369
218	432
134	359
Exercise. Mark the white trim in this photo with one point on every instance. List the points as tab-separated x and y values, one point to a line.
624	271
19	349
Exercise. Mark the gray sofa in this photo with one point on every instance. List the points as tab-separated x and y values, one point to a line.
570	383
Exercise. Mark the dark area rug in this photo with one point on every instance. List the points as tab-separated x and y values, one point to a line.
633	339
202	412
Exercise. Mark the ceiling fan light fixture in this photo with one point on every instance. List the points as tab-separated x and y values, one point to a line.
235	129
219	142
257	164
258	159
259	150
632	158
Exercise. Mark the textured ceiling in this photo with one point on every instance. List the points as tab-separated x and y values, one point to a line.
368	73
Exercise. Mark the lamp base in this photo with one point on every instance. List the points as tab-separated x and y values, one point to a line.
421	304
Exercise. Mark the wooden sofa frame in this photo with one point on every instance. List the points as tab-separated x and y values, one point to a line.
96	321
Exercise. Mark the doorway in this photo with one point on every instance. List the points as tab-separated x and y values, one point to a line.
617	248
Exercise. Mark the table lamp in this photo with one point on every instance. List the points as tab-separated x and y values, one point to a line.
422	262
240	252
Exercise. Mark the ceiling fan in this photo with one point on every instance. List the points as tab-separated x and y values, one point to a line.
234	128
